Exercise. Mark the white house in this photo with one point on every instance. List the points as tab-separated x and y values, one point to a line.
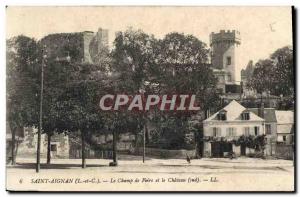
285	126
229	124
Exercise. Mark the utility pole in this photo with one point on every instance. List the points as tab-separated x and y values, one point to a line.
144	120
38	156
83	153
144	141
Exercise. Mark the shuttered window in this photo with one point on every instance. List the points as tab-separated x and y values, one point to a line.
216	131
231	131
256	130
246	131
268	129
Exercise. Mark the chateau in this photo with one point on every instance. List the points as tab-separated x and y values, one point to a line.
85	47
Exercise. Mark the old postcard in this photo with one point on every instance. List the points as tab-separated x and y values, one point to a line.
150	99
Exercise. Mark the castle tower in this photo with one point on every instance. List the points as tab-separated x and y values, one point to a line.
225	57
83	47
102	38
95	44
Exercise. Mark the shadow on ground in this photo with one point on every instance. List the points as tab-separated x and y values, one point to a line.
230	167
53	166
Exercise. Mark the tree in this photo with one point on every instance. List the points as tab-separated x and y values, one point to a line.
133	58
55	81
264	71
248	71
284	71
275	74
182	68
63	69
77	106
22	85
184	62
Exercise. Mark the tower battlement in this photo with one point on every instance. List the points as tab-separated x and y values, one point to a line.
229	35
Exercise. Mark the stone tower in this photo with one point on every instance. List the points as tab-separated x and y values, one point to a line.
94	44
225	58
102	38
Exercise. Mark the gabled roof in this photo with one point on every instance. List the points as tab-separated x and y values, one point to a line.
284	117
234	111
269	114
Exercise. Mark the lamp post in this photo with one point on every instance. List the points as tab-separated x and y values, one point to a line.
38	152
38	156
269	98
142	91
281	101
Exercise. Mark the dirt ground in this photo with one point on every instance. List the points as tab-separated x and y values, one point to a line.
131	174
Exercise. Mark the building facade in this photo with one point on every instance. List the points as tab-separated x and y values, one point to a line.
285	127
227	125
26	144
225	59
224	128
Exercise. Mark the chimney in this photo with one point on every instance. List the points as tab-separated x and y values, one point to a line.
261	110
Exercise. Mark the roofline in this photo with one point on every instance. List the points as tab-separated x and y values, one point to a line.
284	133
260	108
236	121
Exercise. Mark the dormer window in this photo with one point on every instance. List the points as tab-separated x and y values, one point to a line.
245	116
222	115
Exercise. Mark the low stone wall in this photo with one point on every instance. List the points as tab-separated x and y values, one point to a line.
284	151
164	153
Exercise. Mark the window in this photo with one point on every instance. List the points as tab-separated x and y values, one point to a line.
228	60
256	130
53	147
246	131
221	79
230	132
245	116
229	78
268	129
216	131
222	115
284	138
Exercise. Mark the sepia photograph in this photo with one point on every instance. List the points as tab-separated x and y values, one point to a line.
150	99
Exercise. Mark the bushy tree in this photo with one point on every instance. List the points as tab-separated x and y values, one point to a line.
77	106
275	74
182	68
248	71
22	82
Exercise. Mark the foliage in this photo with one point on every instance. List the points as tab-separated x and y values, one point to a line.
276	74
182	68
254	142
22	82
77	105
248	71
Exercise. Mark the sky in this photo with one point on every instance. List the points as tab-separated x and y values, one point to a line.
262	29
